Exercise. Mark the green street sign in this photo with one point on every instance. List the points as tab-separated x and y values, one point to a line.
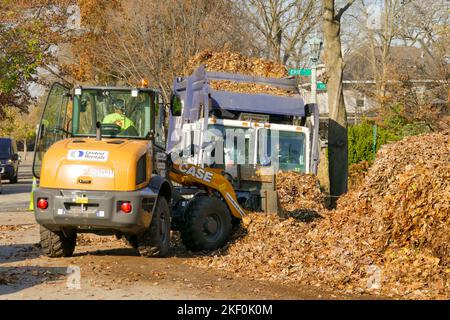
321	86
300	72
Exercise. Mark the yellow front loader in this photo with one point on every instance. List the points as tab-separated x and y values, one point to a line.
101	161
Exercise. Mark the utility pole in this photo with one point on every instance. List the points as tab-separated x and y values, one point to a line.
314	82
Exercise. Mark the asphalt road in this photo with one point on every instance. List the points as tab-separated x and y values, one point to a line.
16	196
105	268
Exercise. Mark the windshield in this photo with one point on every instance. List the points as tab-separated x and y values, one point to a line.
290	147
119	113
5	149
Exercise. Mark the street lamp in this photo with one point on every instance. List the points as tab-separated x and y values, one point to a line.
315	45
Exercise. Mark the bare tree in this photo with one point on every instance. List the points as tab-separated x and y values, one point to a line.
283	26
337	128
425	24
398	42
154	39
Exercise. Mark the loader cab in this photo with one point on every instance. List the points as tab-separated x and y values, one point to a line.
122	113
116	113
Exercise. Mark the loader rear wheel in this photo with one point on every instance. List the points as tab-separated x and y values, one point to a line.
207	224
155	241
56	244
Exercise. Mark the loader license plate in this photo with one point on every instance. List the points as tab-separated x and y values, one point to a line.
81	200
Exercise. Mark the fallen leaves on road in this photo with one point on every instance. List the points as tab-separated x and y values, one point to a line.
7	279
88	239
389	236
14	227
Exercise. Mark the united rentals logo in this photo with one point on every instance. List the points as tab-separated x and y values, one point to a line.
88	155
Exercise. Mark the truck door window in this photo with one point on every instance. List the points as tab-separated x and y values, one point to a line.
51	128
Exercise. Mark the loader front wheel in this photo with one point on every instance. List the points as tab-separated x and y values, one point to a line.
56	244
155	241
207	224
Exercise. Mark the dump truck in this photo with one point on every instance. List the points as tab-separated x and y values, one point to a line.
247	137
102	167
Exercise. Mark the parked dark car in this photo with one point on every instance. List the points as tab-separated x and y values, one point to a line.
9	159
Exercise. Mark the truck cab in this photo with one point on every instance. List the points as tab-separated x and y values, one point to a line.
249	136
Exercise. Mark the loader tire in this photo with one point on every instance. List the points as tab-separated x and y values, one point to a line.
56	244
155	241
207	224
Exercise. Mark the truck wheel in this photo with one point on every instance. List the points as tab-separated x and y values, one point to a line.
207	224
56	244
155	241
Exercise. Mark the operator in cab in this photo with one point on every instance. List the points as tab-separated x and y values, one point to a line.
118	117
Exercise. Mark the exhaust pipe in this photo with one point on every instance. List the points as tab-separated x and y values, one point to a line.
98	132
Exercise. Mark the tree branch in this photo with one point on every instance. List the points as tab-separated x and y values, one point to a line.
343	9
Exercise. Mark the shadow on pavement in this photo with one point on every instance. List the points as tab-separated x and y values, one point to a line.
15	279
107	252
19	187
19	252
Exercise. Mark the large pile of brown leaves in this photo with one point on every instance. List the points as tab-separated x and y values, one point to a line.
357	173
390	236
232	62
299	196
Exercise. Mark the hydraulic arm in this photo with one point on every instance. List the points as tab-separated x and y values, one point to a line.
207	178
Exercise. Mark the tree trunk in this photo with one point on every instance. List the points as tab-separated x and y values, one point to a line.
337	128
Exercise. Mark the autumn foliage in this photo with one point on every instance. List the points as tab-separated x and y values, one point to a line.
388	236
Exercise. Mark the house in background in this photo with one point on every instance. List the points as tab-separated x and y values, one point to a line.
359	81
